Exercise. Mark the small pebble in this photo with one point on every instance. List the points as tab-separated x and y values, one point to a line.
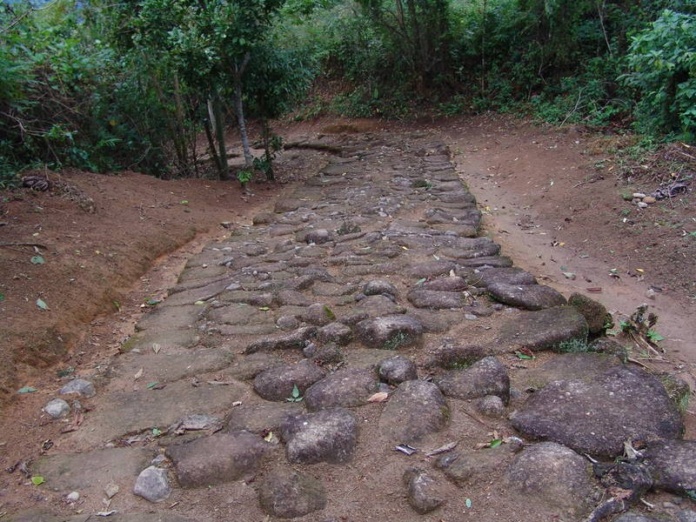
650	293
152	484
72	497
111	489
638	195
57	408
79	386
159	459
649	199
642	204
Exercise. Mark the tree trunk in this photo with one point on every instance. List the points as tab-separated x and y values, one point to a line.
211	142
180	139
239	109
219	125
266	130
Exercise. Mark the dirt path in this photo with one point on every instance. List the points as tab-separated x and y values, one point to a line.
531	183
304	270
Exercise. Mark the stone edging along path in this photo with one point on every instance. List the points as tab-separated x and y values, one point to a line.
362	353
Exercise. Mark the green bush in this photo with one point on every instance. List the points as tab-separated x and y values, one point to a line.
663	63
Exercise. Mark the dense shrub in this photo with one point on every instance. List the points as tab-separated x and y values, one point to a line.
663	70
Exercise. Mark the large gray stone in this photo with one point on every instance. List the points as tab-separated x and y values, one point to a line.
79	387
468	248
380	287
597	417
222	457
390	332
378	305
595	313
446	284
290	494
686	515
318	314
57	408
637	517
422	491
491	406
338	333
346	388
571	366
436	299
134	412
484	278
486	262
249	366
193	295
415	409
277	384
542	329
292	298
153	484
485	377
470	467
171	363
296	339
431	269
261	418
535	330
397	369
324	436
527	297
81	471
672	465
555	475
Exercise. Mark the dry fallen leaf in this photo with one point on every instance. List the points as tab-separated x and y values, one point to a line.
138	375
379	397
442	449
78	417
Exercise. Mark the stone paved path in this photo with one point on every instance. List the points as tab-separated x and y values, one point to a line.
290	362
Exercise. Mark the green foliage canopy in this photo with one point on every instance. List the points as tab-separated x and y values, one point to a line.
663	69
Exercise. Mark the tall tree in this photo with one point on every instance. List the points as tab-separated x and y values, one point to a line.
419	29
211	43
275	81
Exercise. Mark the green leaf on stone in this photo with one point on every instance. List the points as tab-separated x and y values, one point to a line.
41	304
495	443
38	260
468	503
421	281
156	432
2	297
26	389
151	385
37	480
654	337
329	313
295	396
264	308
